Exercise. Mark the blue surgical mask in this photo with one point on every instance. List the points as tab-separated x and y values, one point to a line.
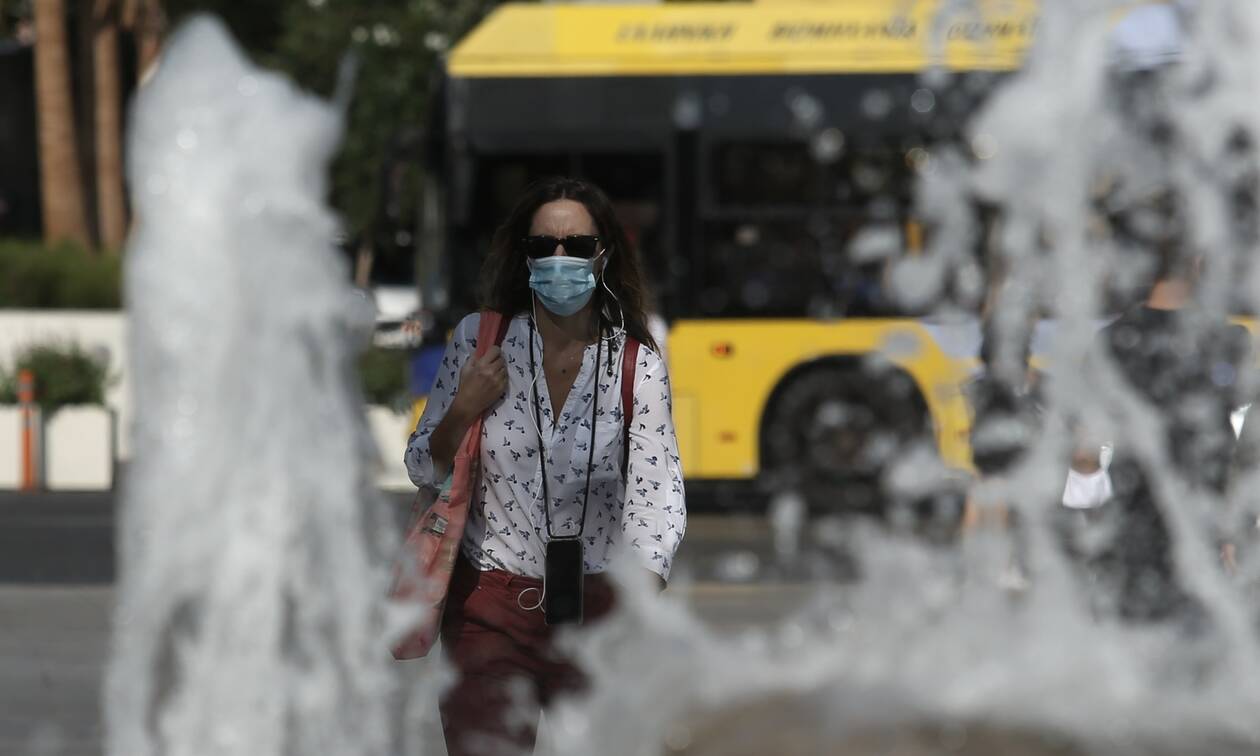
563	284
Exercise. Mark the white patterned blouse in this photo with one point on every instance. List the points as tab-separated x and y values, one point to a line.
506	522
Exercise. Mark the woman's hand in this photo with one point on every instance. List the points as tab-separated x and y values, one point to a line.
1086	460
481	382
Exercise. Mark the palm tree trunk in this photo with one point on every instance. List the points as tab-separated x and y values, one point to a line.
111	207
61	183
150	26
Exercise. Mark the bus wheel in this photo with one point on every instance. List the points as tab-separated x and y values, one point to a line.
830	432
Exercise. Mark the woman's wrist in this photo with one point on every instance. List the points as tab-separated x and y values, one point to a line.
461	416
448	435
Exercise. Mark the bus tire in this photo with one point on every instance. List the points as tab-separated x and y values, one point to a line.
830	430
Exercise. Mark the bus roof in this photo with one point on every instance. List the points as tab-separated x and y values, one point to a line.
708	38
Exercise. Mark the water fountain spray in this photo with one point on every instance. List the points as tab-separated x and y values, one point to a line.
249	616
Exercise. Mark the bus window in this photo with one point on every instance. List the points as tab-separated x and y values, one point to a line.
782	270
764	174
778	224
787	176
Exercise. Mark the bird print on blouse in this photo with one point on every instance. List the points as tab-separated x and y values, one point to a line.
506	524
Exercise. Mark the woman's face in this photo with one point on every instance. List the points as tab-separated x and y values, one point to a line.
561	218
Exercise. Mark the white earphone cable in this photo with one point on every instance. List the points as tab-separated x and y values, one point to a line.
542	594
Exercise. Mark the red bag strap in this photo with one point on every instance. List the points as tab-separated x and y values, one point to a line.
493	324
629	356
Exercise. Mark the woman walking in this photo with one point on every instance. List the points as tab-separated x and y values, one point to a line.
573	467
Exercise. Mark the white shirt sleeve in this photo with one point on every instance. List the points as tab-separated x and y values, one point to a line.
418	459
655	514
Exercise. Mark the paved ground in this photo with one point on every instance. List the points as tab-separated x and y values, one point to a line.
56	575
53	644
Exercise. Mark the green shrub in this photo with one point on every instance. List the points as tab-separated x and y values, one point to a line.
65	276
64	375
384	376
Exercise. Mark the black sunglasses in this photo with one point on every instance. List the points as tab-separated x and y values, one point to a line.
574	246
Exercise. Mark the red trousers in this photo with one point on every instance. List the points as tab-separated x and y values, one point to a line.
507	664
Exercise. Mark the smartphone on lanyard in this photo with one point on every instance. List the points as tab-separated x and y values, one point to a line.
562	582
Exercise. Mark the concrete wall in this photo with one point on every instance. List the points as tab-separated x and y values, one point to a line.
390	431
82	444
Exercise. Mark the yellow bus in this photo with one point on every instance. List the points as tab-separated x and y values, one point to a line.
746	147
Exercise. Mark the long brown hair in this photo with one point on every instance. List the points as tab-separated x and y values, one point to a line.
505	276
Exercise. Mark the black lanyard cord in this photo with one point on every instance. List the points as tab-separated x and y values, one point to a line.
542	450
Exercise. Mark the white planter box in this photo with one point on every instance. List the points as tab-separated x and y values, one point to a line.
390	431
79	449
10	446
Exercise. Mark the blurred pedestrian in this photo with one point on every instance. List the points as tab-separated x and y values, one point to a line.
1008	409
1009	397
1181	362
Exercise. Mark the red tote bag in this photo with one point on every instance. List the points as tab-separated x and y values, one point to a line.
423	575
